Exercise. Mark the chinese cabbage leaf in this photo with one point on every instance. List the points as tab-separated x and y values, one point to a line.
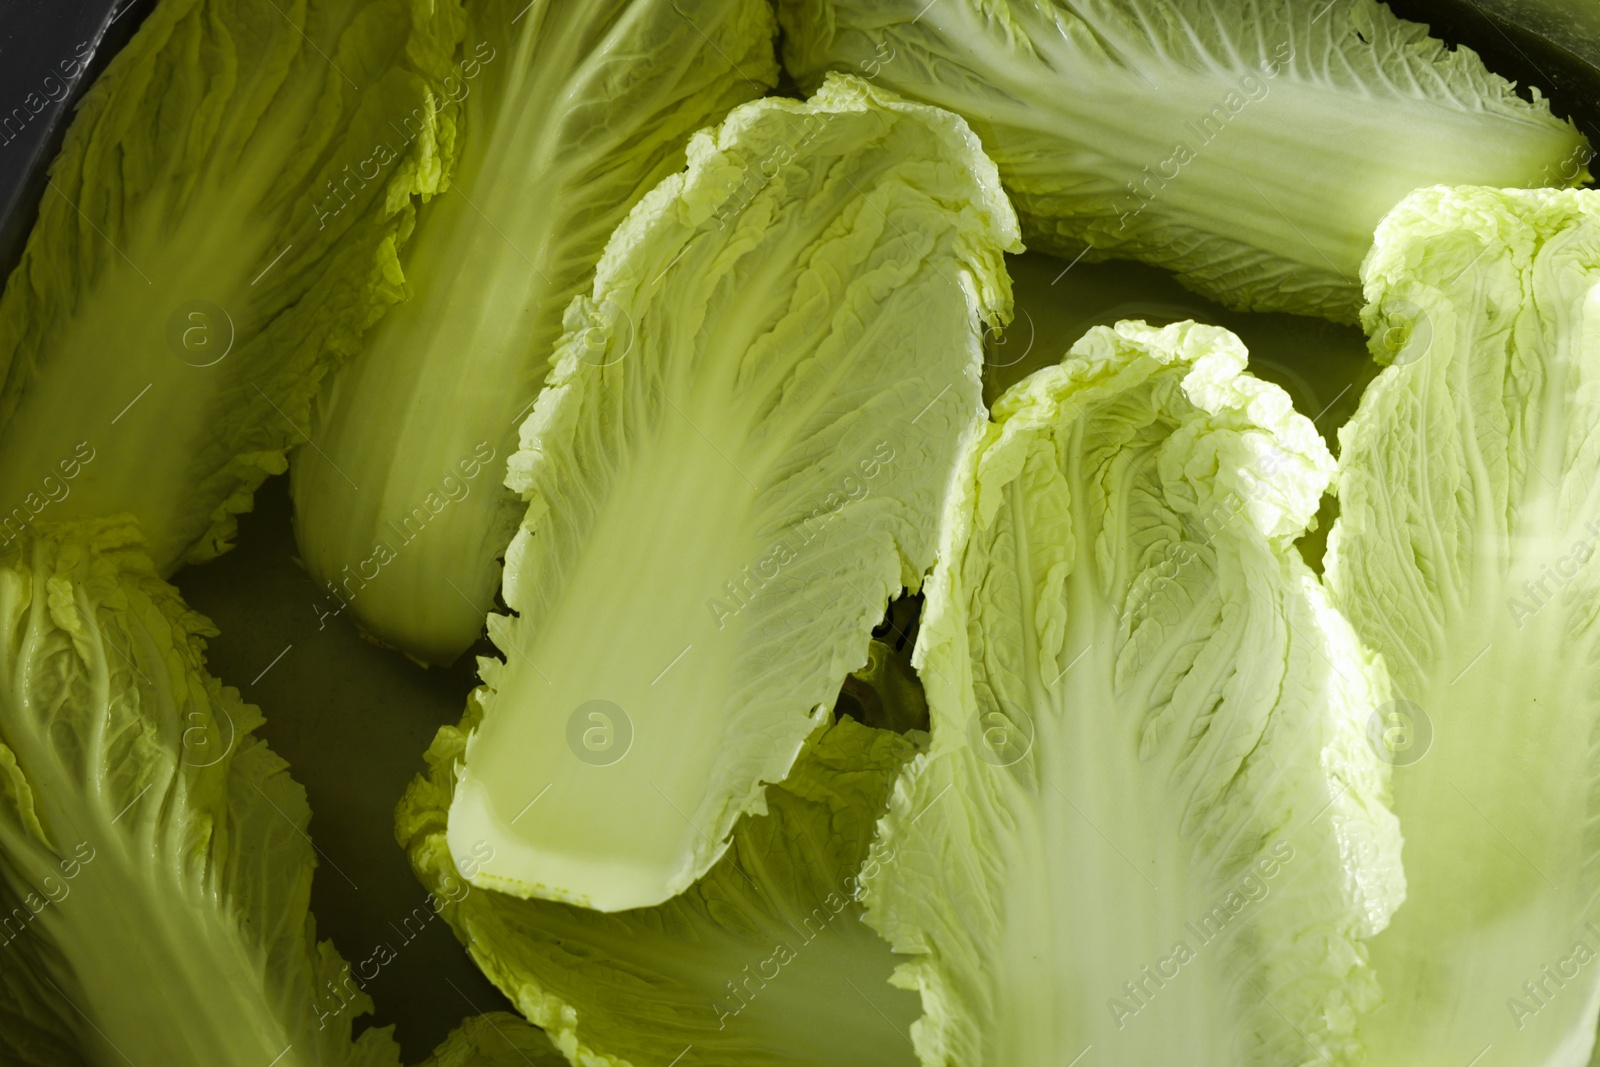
155	871
495	1039
1249	145
764	961
572	112
742	454
1149	823
1469	489
220	226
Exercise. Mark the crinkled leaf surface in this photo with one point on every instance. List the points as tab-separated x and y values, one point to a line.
495	1039
1249	145
742	454
763	961
1149	823
220	227
1469	490
154	866
572	112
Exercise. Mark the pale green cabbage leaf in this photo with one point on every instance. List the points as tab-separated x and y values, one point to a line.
155	871
571	113
495	1039
764	961
219	228
741	455
1249	145
1149	829
1469	490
